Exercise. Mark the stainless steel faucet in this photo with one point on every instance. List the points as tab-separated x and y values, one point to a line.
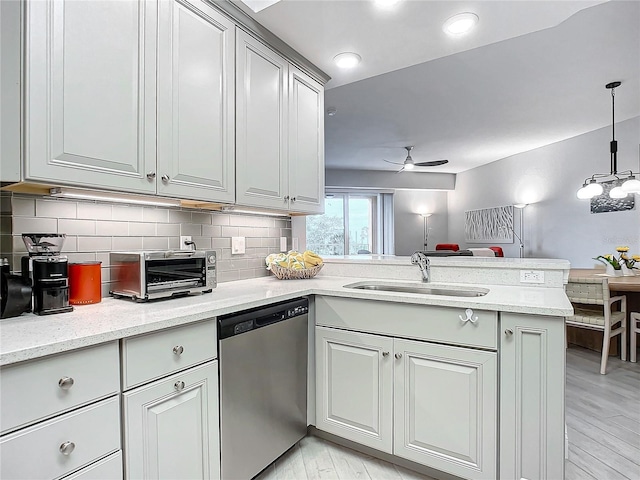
420	259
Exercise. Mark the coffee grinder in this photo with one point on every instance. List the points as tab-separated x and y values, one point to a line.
48	271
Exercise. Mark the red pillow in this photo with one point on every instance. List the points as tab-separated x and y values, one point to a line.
448	246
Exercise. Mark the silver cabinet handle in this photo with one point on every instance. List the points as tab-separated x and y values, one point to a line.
469	317
398	356
165	178
286	197
151	175
179	386
385	354
293	199
508	332
178	349
65	383
67	447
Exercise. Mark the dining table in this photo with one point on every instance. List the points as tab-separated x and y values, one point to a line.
629	286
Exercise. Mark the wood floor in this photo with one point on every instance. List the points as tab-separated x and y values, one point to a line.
603	421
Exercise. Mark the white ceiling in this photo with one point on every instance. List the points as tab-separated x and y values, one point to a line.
532	73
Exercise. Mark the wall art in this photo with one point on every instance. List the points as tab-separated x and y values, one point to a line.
489	225
605	204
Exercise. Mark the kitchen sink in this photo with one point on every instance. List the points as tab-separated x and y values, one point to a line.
419	289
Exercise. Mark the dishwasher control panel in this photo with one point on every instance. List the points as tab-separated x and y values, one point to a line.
299	310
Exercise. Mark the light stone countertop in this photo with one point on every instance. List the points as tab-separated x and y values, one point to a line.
32	336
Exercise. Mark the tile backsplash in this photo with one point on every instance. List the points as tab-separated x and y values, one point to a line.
96	228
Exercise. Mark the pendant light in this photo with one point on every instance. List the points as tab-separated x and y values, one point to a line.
591	187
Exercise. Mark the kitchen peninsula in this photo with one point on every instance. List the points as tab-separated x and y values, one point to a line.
500	355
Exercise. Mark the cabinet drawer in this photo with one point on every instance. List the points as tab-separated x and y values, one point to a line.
421	322
155	355
109	468
35	452
32	391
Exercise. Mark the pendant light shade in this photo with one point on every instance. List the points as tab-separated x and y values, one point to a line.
591	186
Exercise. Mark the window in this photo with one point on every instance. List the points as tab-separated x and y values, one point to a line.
353	223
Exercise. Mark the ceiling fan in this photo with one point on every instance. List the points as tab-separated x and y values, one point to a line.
409	164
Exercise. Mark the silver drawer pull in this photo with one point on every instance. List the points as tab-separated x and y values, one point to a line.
508	332
65	383
398	356
165	178
385	354
178	349
179	386
469	316
67	447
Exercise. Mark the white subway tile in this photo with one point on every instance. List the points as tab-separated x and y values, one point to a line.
18	244
221	242
157	215
271	243
127	243
179	216
112	229
253	242
229	276
127	213
230	231
23	206
192	229
155	243
104	258
94	211
203	218
220	219
174	243
77	227
94	244
53	208
35	225
244	221
81	257
167	230
212	230
142	229
203	243
70	244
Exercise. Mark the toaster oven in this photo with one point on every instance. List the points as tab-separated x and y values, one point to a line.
144	276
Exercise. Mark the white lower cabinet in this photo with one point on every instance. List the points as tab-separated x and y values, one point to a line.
355	387
63	444
109	468
171	427
445	408
433	404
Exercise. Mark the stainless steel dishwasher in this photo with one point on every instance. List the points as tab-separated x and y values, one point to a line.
263	385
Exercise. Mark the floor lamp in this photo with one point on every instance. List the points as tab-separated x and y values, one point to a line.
521	207
425	218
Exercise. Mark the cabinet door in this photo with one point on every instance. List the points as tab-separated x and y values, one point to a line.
90	93
532	372
196	129
354	375
445	412
171	427
261	125
306	143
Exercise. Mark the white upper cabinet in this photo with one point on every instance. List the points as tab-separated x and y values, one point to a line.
196	111
261	125
306	143
91	93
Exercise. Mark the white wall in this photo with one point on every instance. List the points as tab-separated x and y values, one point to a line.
557	224
409	226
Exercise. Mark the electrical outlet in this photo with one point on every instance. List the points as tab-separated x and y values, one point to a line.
183	245
237	245
294	243
283	244
531	276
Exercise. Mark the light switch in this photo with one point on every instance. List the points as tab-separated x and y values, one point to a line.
237	245
283	244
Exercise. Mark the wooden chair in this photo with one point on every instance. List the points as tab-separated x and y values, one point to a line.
586	295
634	329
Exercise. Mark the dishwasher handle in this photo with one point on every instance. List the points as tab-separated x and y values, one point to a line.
269	319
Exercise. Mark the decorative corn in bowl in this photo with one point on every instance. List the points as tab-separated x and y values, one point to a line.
294	265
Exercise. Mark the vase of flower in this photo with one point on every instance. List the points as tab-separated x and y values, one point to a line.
612	272
627	272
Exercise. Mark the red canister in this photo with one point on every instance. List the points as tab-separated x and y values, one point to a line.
85	283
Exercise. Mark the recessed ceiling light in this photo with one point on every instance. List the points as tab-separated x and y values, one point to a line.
347	59
387	3
460	24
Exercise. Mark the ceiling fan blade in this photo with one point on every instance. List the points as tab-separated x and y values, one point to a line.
401	170
393	163
433	163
